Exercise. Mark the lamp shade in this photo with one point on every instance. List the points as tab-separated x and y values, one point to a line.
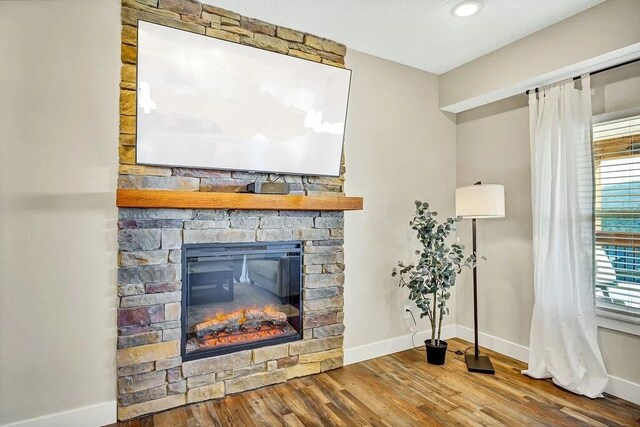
480	201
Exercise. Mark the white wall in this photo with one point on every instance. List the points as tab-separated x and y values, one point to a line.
58	164
607	27
616	90
399	148
493	146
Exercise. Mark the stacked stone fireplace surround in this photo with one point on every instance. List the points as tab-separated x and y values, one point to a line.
151	374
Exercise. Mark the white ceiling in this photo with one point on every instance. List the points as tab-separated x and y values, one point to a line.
419	33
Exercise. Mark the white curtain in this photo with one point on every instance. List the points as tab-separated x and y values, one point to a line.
563	342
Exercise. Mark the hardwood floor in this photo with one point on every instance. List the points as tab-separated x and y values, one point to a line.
403	390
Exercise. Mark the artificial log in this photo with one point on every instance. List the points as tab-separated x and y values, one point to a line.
253	316
229	323
239	337
245	319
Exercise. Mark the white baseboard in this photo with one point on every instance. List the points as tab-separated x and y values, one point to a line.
87	416
624	389
392	345
508	348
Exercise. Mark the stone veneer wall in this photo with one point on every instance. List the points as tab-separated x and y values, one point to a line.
151	375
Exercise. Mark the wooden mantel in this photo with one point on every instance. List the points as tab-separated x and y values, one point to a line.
210	200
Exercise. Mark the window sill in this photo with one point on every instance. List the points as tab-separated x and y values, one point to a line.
618	322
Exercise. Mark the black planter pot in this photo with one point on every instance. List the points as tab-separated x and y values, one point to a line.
436	353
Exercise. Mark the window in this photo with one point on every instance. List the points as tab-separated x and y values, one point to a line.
616	154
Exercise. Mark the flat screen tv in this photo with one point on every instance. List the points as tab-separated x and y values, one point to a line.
210	103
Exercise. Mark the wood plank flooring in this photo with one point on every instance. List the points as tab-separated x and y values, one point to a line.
403	390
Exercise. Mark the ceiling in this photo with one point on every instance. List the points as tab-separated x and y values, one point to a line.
420	33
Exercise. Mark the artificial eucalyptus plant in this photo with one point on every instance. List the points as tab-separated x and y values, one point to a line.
434	274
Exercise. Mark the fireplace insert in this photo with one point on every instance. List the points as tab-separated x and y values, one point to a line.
238	296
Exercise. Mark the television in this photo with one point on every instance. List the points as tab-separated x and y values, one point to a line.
208	103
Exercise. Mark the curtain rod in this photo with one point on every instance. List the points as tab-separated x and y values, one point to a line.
593	73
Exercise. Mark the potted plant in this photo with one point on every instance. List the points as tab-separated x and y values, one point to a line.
430	280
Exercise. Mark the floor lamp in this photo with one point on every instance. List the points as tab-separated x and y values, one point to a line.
479	201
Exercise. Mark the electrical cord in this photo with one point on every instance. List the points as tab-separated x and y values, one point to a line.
413	344
463	352
423	347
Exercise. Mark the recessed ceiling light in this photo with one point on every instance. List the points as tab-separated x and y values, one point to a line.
467	8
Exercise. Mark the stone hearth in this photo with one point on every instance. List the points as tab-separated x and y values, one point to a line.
151	374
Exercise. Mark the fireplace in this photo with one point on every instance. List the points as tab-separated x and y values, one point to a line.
240	296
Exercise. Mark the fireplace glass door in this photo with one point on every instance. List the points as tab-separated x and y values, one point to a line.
240	296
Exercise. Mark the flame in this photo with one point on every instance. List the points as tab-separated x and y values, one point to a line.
240	313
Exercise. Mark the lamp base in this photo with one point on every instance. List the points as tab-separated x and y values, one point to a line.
481	364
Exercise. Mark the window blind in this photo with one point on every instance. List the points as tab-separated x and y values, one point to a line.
616	155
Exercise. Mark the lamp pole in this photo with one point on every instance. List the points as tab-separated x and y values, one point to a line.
475	290
477	363
473	202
